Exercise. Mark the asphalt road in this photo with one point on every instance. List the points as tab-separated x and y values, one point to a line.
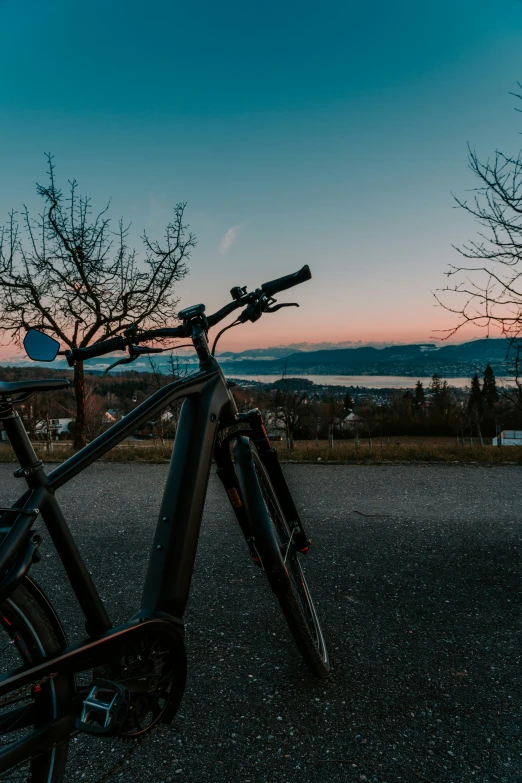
416	575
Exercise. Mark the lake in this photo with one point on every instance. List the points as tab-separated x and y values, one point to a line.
368	381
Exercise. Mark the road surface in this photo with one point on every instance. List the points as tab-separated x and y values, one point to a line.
416	574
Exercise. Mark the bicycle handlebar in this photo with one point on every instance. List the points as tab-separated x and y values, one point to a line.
99	349
288	281
218	316
269	289
121	342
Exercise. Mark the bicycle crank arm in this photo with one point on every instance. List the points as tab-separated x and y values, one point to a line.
98	652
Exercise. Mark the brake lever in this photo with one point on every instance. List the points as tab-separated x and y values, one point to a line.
275	308
128	360
134	352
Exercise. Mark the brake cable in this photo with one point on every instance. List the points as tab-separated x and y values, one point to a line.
235	323
253	312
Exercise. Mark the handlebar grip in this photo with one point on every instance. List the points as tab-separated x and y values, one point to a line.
99	349
288	281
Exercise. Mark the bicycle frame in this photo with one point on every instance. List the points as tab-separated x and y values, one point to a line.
208	405
208	408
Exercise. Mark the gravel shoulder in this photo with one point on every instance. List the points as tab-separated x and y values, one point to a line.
415	570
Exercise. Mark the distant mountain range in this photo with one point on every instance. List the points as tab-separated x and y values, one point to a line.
421	360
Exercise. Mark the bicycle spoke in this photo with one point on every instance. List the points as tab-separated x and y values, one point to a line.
289	544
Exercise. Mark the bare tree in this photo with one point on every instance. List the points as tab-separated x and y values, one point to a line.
332	410
458	420
66	272
168	419
514	395
95	408
489	291
369	415
288	406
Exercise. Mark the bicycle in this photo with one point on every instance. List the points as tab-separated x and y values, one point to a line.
136	671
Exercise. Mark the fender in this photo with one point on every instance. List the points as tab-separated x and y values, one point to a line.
39	595
265	540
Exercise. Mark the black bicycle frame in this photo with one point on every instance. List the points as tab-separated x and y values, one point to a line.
208	408
208	405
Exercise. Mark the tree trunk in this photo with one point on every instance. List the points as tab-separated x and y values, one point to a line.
481	439
289	439
81	421
330	437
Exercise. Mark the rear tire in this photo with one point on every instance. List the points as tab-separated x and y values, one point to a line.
282	563
27	637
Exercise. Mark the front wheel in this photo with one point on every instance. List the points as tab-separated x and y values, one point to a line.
281	561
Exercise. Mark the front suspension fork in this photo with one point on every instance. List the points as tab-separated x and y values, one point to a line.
269	458
227	476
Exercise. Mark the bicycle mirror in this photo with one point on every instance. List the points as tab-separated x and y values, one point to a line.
40	347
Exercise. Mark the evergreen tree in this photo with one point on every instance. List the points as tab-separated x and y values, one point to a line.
435	385
441	394
475	400
489	388
349	404
444	395
419	398
476	405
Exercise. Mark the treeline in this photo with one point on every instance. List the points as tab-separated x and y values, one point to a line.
293	407
302	412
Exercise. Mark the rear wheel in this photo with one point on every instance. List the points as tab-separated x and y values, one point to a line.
282	564
26	639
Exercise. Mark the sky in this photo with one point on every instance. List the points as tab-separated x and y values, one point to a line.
330	133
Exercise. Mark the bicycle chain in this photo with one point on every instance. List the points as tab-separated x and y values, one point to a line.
24	689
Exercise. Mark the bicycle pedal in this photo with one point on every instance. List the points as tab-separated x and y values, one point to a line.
104	709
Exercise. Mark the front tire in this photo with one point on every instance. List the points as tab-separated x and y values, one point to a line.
281	561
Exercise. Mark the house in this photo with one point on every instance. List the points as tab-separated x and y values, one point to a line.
509	438
352	422
57	427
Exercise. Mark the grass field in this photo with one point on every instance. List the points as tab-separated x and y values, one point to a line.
399	449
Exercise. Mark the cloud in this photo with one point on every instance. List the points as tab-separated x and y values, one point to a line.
228	239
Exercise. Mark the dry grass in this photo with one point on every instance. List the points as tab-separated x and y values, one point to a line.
405	452
125	452
404	449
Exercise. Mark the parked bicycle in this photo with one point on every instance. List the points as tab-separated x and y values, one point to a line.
137	670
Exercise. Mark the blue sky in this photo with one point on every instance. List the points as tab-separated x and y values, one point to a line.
330	134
